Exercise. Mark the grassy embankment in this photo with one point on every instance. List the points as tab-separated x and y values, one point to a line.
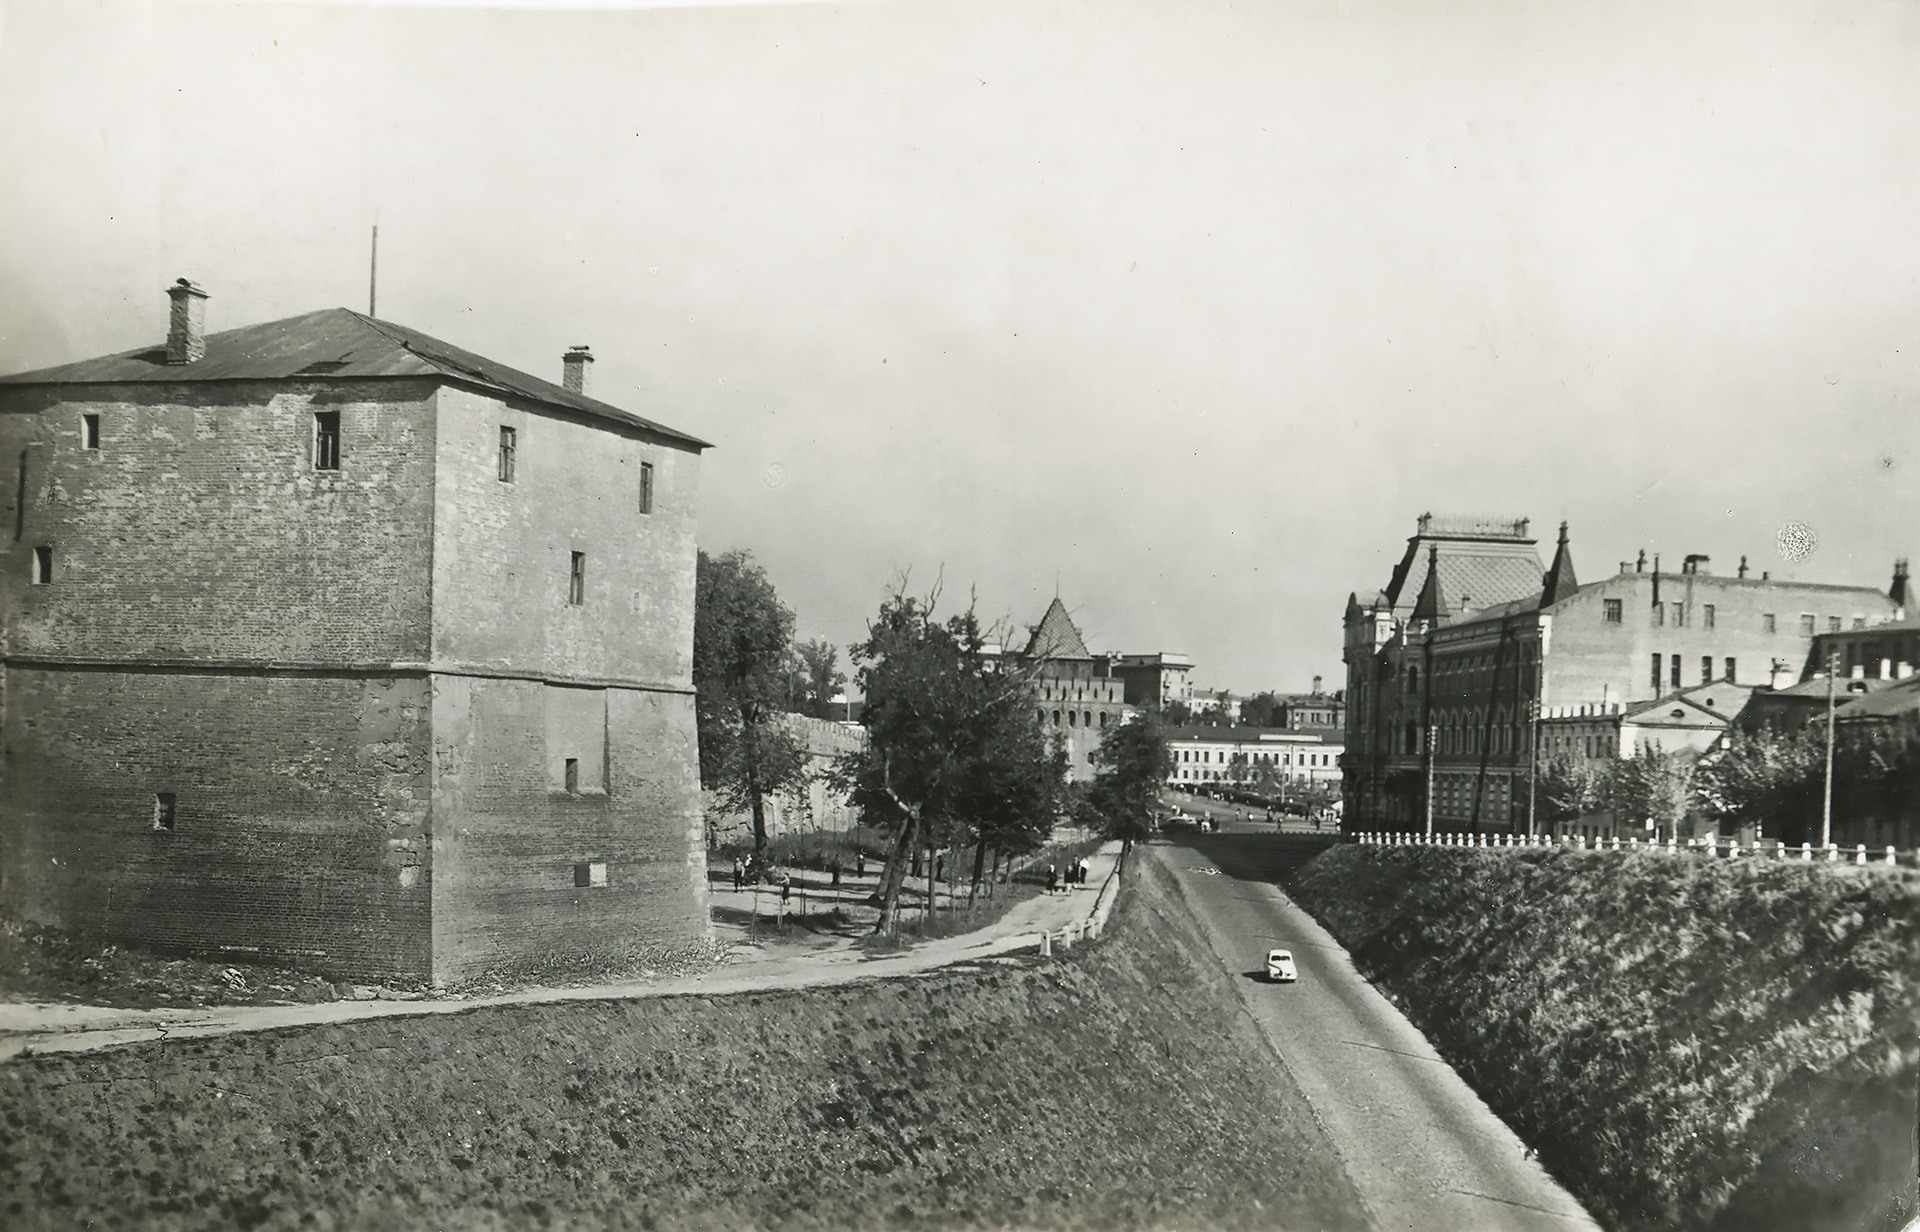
1689	1043
1115	1086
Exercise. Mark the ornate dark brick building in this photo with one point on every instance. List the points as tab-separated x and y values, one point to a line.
326	641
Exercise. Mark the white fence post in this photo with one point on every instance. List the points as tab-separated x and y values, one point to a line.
1860	854
1806	852
1890	858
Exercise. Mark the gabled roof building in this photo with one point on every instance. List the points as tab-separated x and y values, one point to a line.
331	643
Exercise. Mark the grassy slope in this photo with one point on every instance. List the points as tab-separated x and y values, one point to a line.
1688	1043
1117	1086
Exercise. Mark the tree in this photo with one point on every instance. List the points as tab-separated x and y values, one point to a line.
1239	768
1177	713
1131	766
1652	785
953	740
814	678
1770	779
742	649
1568	786
1260	710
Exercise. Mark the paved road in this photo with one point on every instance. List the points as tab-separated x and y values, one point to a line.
1422	1149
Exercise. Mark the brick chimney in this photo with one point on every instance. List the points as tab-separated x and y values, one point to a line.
1316	686
186	323
575	367
1901	592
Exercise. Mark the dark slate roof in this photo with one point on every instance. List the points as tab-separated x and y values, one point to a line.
333	344
1055	637
1898	698
1560	582
1481	572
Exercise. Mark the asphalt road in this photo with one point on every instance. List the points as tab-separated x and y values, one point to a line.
1422	1149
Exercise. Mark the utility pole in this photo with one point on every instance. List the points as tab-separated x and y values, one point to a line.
1826	803
373	273
1533	758
1432	734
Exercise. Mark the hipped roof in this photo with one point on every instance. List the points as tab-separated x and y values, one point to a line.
334	344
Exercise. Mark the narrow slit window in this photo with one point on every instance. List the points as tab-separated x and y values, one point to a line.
42	565
163	810
573	776
577	580
646	487
326	440
89	432
506	454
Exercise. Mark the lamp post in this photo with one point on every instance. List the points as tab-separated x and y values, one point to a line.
1533	758
1432	732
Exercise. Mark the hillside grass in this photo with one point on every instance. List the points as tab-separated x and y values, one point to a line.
1116	1086
1689	1043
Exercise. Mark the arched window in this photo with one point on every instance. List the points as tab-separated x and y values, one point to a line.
1070	718
1056	718
1086	718
1103	718
1413	736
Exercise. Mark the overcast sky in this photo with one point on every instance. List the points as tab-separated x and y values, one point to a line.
1187	309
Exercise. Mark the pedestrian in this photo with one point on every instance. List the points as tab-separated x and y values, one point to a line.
739	875
1083	870
1053	878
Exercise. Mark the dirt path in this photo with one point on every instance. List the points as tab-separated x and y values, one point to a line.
38	1027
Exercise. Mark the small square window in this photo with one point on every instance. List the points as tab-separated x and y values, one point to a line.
1806	625
646	487
1833	624
1767	623
592	873
577	580
326	440
573	776
1706	616
1859	622
89	432
42	565
1612	610
163	810
506	454
1679	615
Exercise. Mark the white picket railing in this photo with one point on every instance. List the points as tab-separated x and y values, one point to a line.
1712	846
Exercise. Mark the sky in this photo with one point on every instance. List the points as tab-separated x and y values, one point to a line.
1183	311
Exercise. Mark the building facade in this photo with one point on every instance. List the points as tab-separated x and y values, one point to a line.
1444	681
1230	756
330	643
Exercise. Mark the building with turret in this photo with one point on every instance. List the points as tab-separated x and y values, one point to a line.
1472	641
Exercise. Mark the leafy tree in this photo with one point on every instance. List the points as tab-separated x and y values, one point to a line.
1652	785
1567	786
1239	768
1769	778
1260	710
1131	766
814	677
742	647
1177	714
953	740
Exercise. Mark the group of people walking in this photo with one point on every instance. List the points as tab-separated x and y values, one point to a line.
1076	874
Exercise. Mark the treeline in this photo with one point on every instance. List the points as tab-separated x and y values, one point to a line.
1772	780
956	756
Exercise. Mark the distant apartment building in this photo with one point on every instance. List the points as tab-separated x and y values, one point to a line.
331	643
1471	638
1250	755
1318	709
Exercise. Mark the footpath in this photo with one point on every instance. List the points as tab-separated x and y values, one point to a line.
1041	924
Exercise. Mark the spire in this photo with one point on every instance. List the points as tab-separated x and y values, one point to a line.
1559	582
1055	637
1431	606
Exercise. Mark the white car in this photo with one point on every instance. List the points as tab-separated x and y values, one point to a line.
1280	967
